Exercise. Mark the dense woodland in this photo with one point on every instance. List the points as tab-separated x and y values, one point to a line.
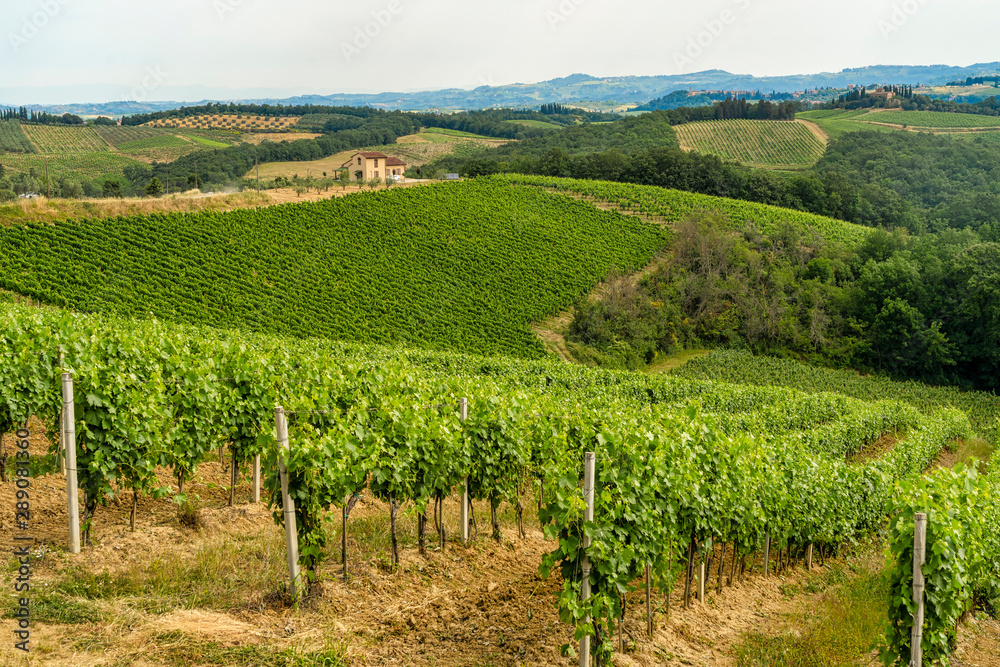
921	307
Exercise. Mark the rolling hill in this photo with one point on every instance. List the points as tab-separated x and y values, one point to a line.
464	266
756	143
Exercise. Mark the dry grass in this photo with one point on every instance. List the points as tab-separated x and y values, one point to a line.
961	451
278	137
53	210
315	168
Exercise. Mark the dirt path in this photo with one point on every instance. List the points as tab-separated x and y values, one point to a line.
817	131
552	330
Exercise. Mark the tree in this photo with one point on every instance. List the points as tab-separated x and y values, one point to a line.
112	189
72	190
344	178
154	188
375	182
899	336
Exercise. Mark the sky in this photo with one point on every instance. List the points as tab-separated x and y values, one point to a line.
62	51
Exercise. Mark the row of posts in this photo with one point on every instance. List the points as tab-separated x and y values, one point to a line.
589	469
68	463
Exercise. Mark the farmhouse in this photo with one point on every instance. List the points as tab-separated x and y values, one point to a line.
368	165
881	94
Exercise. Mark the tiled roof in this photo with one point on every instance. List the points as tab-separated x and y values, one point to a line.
373	155
394	162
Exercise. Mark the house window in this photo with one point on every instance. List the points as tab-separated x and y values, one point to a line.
359	160
376	174
376	164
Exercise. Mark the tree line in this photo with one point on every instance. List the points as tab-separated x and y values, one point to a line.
31	116
907	100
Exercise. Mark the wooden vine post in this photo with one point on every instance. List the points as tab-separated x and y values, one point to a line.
287	504
767	554
649	602
588	517
463	408
256	478
69	438
919	554
62	422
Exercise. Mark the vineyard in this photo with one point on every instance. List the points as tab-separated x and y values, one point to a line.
101	151
836	122
465	266
72	165
59	140
673	205
229	122
747	369
931	120
758	143
684	468
13	139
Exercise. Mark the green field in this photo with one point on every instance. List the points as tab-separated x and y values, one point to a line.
931	120
465	266
673	205
88	166
13	138
63	139
162	141
537	124
836	122
747	369
85	152
454	133
758	143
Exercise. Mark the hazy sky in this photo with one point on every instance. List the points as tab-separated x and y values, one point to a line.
154	49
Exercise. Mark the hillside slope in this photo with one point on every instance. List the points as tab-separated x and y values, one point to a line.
757	143
463	266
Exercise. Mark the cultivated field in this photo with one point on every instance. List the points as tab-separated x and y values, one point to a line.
836	122
663	205
759	143
326	272
930	120
170	594
93	152
241	122
73	165
13	138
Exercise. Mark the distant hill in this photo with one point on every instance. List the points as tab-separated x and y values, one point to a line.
602	93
